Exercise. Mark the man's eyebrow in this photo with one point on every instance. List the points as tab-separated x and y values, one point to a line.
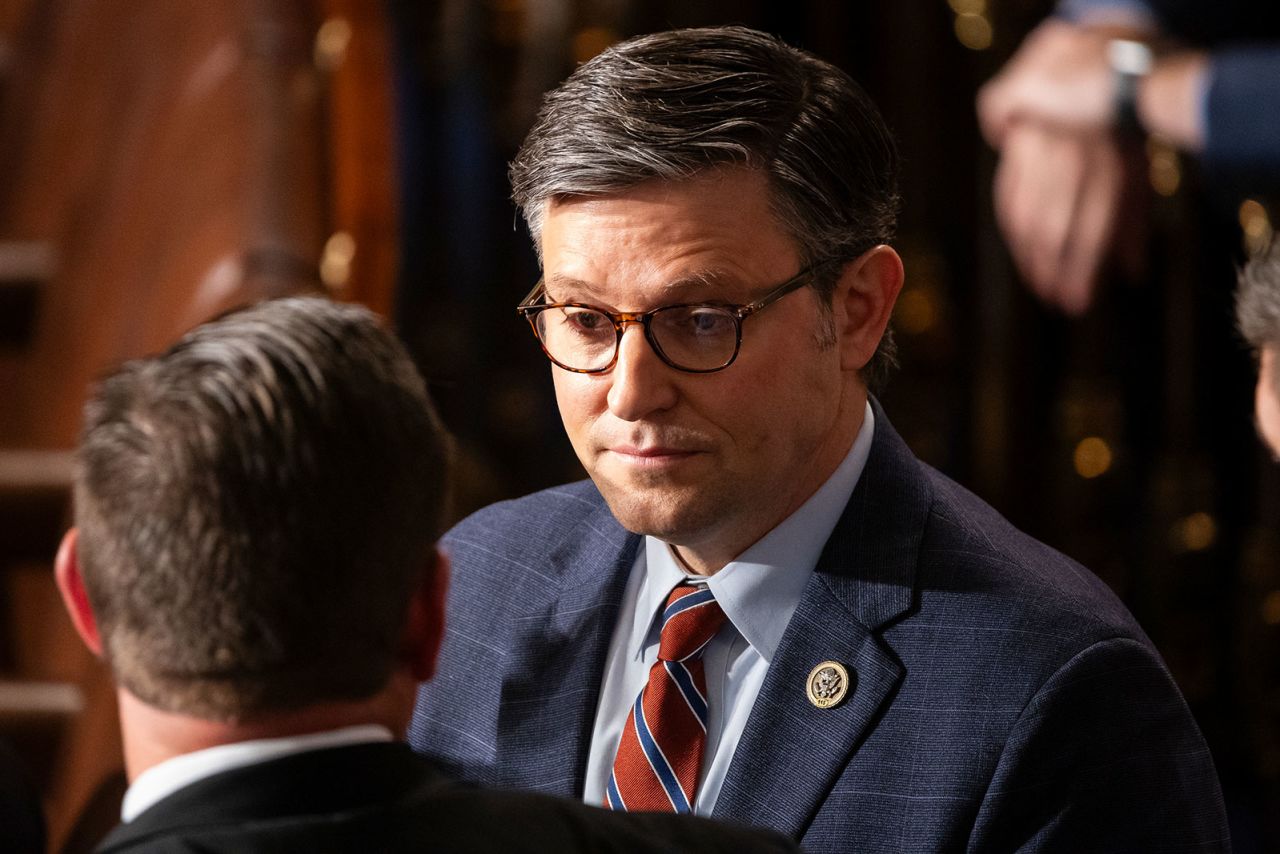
555	286
700	280
695	281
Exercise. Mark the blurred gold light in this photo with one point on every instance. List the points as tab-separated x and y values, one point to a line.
1256	225
1092	457
974	31
508	21
968	7
590	41
331	43
1271	608
1196	532
1164	170
916	311
335	262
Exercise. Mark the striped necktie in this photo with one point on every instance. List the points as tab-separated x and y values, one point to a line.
660	754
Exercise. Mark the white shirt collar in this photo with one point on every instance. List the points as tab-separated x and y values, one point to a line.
761	588
159	781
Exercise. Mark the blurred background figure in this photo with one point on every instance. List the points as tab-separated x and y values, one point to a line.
1258	314
1065	111
358	149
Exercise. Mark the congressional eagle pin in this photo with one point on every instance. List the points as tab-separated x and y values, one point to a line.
828	684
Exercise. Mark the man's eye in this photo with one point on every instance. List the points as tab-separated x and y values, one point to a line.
705	322
586	320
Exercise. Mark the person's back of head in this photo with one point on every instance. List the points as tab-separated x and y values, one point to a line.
255	508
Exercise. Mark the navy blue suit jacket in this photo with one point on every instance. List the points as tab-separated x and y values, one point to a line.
1003	698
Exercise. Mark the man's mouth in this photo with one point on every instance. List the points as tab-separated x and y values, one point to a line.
652	455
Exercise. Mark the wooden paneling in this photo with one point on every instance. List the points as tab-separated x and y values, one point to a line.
171	160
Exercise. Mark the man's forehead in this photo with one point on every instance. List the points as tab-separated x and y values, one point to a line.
709	237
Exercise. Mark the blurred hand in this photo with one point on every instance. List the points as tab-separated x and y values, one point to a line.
1057	196
1059	76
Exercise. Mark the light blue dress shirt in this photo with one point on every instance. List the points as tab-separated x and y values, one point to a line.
758	591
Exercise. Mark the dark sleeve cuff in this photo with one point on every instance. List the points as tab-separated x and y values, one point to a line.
1242	131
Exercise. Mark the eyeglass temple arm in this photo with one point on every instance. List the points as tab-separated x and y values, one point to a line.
793	284
527	302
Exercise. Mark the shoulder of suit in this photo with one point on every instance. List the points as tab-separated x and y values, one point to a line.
556	506
969	546
505	546
537	822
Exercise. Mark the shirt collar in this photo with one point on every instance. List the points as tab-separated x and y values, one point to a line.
761	588
159	781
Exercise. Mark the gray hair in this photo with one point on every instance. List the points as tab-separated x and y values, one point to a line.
255	507
1258	299
670	105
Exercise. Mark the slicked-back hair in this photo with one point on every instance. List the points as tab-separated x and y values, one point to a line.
255	507
670	105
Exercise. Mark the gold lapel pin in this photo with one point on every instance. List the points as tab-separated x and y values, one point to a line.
828	684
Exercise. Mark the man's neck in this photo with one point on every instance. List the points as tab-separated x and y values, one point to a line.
152	735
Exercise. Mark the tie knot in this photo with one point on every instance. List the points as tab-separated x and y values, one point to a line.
690	619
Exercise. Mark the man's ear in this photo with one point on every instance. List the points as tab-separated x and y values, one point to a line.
863	302
66	570
424	628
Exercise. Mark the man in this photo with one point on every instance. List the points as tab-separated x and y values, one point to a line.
888	666
256	511
1258	316
1203	77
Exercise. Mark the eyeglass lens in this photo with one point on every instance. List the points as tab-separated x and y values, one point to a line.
696	337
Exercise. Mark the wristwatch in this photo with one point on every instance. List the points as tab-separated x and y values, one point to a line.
1130	61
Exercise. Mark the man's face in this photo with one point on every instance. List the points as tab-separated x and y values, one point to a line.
1266	401
708	462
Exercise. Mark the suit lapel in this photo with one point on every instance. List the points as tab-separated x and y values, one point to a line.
791	752
552	685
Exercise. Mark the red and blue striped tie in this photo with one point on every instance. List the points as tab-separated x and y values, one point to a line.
660	755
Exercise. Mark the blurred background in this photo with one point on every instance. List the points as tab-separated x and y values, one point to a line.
161	161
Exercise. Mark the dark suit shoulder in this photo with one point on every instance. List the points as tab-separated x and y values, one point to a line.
538	517
514	566
1076	702
505	553
384	798
1032	710
517	539
969	549
522	821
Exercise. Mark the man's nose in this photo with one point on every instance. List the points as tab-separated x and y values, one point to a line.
641	383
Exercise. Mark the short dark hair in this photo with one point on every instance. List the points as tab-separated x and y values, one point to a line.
670	105
1258	298
256	506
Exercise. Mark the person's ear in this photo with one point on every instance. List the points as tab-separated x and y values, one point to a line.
66	570
862	303
424	628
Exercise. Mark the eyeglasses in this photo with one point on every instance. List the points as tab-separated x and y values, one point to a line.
699	338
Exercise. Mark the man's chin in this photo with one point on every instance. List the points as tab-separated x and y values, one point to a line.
672	515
